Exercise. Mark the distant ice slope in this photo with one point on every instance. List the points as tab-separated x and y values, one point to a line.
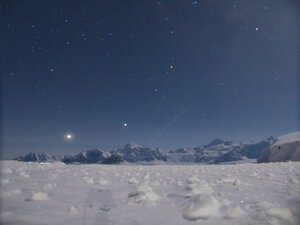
287	147
241	194
288	138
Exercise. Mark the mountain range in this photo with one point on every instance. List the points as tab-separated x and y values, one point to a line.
217	151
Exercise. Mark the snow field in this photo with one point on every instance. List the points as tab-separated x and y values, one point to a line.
55	193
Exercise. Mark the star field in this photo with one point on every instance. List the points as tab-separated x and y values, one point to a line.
111	72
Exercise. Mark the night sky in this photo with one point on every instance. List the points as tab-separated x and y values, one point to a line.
168	73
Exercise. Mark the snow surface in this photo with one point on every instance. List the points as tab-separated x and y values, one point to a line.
242	194
288	138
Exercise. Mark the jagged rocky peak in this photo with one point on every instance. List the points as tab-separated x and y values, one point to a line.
96	152
132	145
36	157
271	139
113	159
219	141
89	156
182	150
216	141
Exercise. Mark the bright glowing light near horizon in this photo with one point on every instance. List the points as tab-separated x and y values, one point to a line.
125	124
69	136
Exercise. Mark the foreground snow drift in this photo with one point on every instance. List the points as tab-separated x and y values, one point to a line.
56	193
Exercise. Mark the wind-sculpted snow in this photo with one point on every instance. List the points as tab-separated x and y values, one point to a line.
242	194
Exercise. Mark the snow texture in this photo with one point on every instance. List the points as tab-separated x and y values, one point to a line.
241	194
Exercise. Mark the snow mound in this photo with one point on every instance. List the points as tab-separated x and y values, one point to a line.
232	180
23	174
233	212
199	188
200	207
277	216
49	186
102	181
144	193
89	180
40	196
133	180
73	210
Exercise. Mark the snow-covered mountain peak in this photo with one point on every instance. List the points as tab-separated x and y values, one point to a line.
37	157
217	151
288	138
89	156
132	145
285	148
216	141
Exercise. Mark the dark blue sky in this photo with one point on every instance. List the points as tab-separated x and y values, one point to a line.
178	73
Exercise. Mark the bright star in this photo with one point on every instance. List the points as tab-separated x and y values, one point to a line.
69	136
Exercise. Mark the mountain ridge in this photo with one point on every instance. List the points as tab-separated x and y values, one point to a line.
217	151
